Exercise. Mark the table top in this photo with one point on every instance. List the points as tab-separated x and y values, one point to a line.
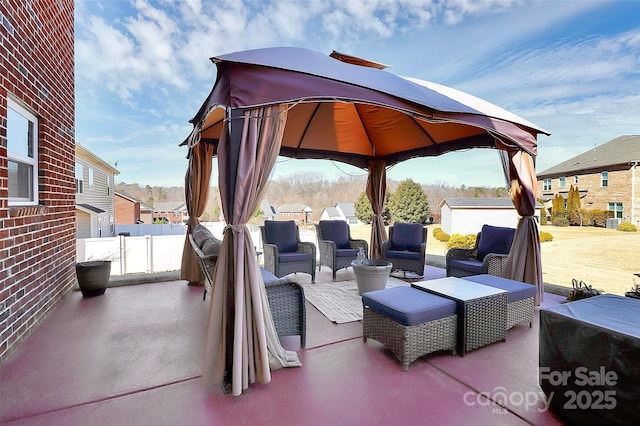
457	288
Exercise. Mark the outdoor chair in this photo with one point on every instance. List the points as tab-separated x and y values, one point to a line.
488	256
283	251
207	248
337	248
286	298
406	247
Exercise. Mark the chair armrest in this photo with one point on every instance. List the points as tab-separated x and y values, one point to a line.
494	264
307	247
356	244
460	253
386	245
270	253
327	246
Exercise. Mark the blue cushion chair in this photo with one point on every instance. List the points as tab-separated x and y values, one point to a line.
406	247
283	251
337	248
488	256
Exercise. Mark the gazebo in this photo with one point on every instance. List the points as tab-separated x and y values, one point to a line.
301	103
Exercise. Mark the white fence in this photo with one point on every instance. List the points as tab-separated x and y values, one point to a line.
150	253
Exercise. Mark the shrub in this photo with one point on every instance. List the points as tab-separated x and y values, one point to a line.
560	221
461	241
627	227
543	216
545	236
440	235
600	217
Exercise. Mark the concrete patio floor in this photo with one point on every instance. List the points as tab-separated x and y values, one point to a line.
133	357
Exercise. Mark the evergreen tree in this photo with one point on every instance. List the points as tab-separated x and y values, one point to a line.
573	206
409	203
364	212
558	209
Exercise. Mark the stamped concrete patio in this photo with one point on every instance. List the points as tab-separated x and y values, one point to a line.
133	357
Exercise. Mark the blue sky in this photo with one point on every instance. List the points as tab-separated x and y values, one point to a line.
571	67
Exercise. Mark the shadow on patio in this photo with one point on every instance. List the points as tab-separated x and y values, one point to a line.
133	357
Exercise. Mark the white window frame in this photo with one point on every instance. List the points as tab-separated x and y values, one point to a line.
575	179
546	184
21	158
604	179
562	181
79	178
616	208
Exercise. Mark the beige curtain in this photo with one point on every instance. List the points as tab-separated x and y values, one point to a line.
524	262
241	342
196	191
376	189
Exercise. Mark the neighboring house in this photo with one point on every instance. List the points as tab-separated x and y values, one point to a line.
175	212
269	211
466	215
130	211
342	211
95	202
37	156
299	212
607	176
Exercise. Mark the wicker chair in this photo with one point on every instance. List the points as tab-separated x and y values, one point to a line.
286	298
337	248
406	247
488	256
283	251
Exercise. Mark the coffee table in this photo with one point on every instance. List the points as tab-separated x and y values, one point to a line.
482	310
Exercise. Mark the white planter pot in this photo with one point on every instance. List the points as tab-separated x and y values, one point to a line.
371	275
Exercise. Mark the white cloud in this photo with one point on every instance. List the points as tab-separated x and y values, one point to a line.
142	68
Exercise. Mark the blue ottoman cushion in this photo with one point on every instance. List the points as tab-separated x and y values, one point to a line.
516	290
408	305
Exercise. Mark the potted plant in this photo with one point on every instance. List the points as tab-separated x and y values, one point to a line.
93	277
635	292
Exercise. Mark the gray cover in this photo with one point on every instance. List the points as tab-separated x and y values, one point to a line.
595	343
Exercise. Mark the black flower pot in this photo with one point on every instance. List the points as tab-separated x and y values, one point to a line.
93	277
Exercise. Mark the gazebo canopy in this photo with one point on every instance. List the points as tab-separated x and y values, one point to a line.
303	104
353	113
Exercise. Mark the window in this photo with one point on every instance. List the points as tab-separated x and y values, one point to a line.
604	179
22	155
90	177
79	179
575	179
562	182
546	184
108	185
616	208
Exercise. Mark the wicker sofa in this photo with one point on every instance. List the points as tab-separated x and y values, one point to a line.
286	298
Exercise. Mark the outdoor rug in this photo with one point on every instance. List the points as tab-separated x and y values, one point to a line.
339	301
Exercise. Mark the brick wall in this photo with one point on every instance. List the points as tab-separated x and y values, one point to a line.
127	211
37	243
619	190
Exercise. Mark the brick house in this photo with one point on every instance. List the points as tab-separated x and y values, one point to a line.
175	212
607	176
299	212
130	211
37	156
95	183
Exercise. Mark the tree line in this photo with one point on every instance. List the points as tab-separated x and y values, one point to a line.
316	191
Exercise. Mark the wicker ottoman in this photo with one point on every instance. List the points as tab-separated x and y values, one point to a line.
520	297
409	322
